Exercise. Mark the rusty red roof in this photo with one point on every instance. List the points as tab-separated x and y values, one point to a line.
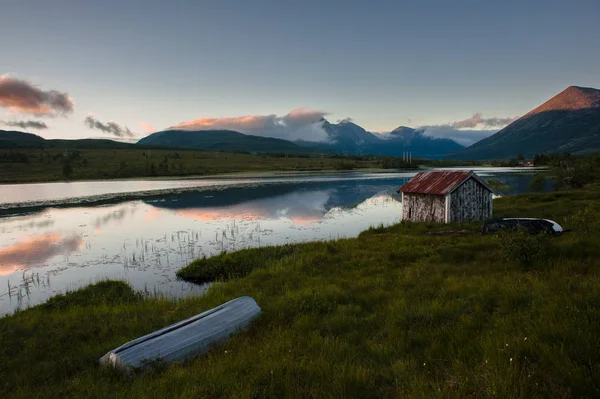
436	182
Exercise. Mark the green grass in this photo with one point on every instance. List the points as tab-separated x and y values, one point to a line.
30	165
396	312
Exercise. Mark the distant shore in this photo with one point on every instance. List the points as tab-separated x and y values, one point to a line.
28	165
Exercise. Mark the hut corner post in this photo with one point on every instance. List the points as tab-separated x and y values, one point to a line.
447	203
402	200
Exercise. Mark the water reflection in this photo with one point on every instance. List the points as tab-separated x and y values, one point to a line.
145	241
36	250
302	207
110	217
301	203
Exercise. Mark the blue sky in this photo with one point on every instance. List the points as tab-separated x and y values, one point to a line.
381	63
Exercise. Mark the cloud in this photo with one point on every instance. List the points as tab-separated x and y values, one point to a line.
299	124
381	135
110	127
23	97
463	131
464	137
147	127
478	119
26	124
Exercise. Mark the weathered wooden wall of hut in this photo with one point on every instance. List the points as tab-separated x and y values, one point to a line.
423	207
471	201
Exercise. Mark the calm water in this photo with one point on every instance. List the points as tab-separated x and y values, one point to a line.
60	236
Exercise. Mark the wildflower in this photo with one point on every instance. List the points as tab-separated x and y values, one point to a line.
511	359
525	339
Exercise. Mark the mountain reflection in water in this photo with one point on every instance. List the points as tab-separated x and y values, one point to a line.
301	203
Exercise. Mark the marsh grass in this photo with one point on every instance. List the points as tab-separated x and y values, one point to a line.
396	312
524	248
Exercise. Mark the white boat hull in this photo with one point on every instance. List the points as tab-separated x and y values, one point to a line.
185	339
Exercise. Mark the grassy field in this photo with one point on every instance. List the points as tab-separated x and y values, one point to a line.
396	312
30	165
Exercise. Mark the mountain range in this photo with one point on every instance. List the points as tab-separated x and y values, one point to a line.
348	137
344	137
568	122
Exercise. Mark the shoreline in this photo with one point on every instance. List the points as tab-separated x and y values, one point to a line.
244	179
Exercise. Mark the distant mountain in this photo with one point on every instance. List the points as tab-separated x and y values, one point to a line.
221	140
408	139
349	138
569	121
403	132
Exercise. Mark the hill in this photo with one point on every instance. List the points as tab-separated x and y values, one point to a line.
568	122
13	138
221	140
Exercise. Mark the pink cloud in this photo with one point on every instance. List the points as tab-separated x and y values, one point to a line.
147	127
21	96
242	123
35	250
298	124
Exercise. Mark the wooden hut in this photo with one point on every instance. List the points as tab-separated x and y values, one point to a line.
446	196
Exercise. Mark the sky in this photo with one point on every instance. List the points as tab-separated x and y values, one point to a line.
126	68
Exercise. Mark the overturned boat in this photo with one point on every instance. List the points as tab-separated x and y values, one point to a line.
529	225
185	339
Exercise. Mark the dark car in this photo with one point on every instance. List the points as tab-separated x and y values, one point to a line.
530	225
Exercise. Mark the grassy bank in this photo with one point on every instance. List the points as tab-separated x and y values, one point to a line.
31	165
396	312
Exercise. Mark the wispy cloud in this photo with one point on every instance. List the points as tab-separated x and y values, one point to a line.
465	131
110	127
464	137
26	124
478	120
21	96
299	124
147	127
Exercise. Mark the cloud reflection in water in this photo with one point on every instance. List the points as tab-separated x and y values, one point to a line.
36	250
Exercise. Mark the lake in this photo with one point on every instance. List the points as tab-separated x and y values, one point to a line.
61	236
